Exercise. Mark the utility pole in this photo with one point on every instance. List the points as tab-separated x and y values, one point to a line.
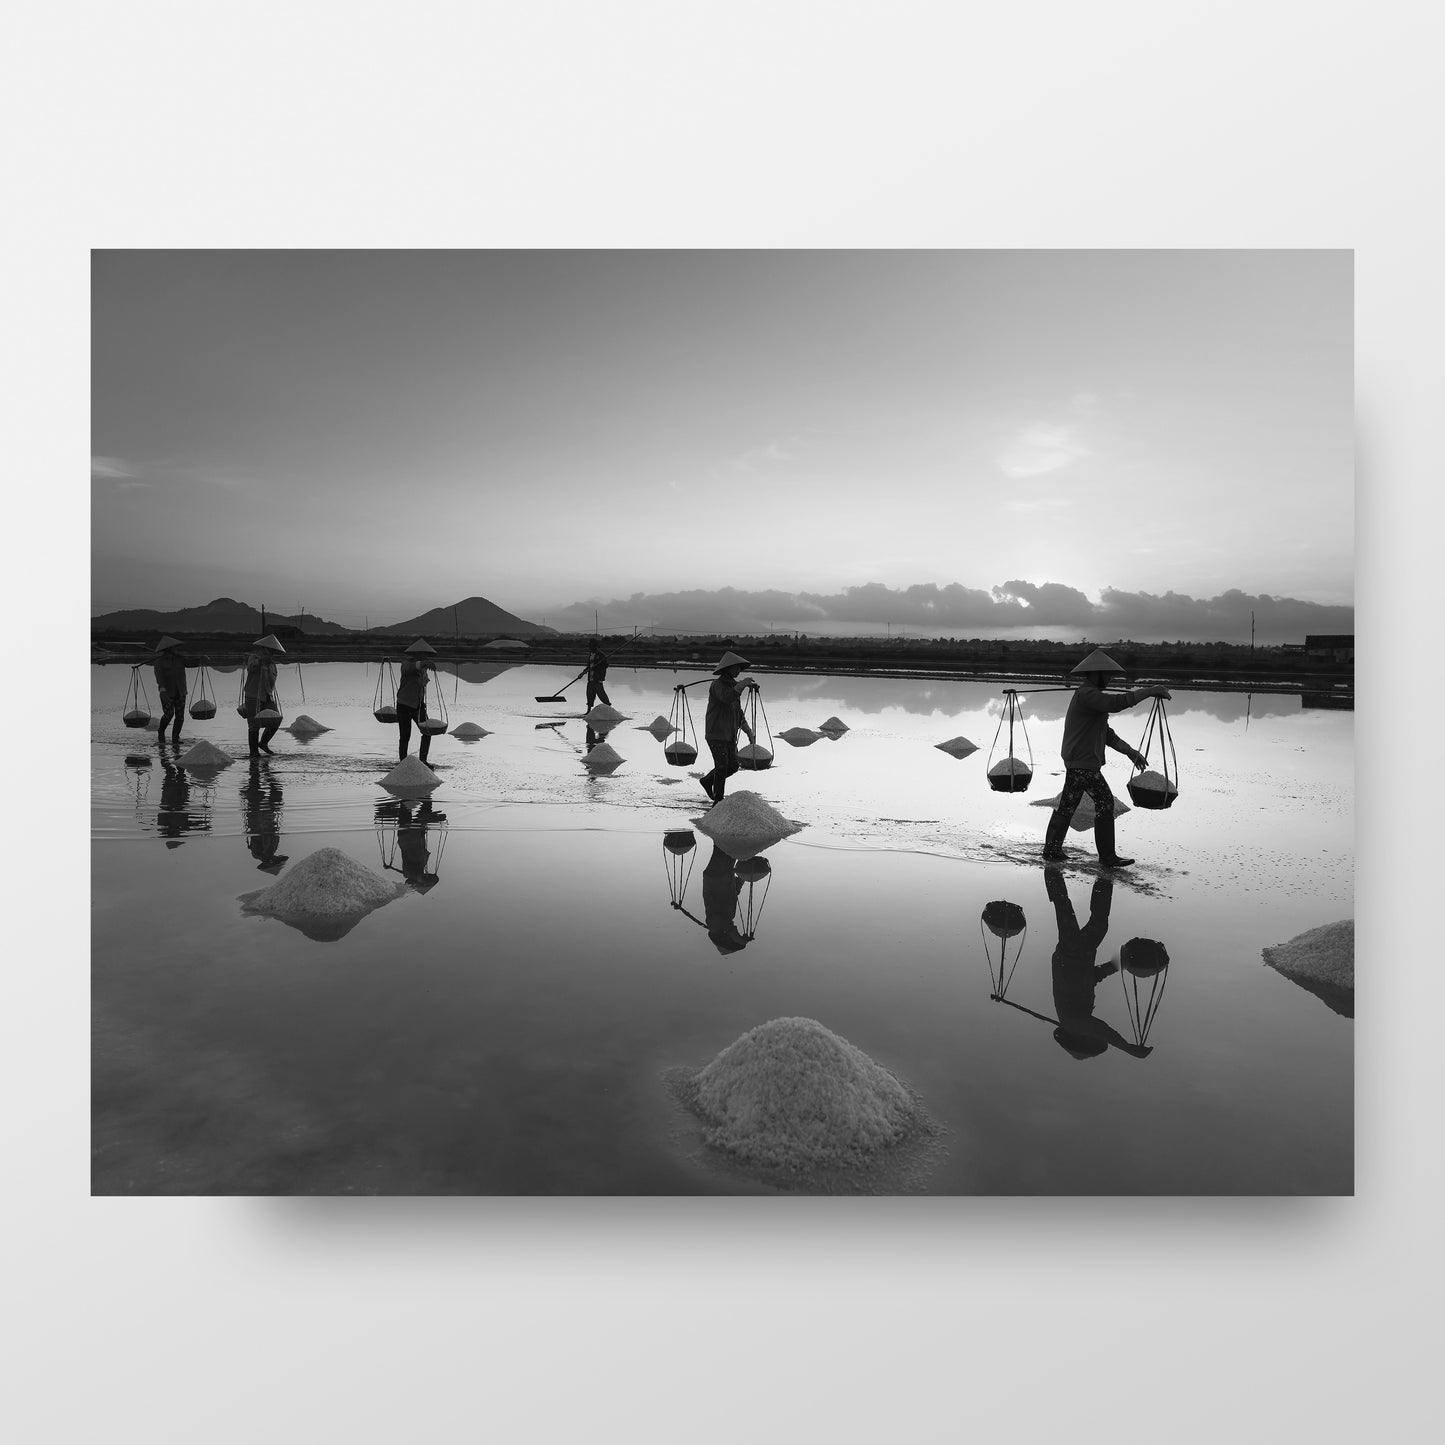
1251	631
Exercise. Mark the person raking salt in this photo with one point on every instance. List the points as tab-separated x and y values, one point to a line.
1086	734
723	721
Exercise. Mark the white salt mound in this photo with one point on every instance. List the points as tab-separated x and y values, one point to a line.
325	884
1083	818
800	737
959	747
745	815
411	772
659	727
1324	955
603	753
1155	782
206	755
304	725
603	713
469	730
792	1093
1010	767
833	725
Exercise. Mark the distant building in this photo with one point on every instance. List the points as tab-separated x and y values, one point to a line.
1339	647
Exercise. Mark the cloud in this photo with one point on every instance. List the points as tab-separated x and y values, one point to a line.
1042	447
956	610
109	468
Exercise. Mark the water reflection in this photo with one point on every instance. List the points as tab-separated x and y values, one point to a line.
1145	966
403	833
1002	921
261	816
174	817
730	918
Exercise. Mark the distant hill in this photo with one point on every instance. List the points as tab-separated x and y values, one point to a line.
476	617
225	614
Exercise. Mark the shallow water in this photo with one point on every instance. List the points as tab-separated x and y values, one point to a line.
505	1026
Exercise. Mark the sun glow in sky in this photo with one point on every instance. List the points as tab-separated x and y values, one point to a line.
383	432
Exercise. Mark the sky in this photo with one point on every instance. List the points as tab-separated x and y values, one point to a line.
1041	442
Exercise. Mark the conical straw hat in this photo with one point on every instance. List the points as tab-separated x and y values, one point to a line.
421	645
269	641
731	659
1097	661
166	642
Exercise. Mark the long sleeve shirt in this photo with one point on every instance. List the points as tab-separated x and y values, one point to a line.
1086	726
411	691
170	675
260	679
724	711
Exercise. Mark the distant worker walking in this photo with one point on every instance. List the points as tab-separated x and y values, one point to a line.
411	698
259	692
1086	734
170	670
723	722
596	674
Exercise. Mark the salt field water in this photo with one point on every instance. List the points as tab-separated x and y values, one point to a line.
508	1024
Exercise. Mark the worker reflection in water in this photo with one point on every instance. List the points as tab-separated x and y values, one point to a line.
261	808
1077	976
723	722
170	670
173	816
721	888
1086	734
412	822
596	674
411	698
259	693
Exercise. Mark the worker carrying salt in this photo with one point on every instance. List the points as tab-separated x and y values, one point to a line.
1076	977
1086	734
411	698
259	693
170	670
723	721
596	674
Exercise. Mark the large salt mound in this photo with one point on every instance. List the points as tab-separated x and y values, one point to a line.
305	726
1323	958
659	727
745	815
470	730
1083	818
206	755
833	725
410	772
790	1093
958	747
603	713
328	886
604	755
800	737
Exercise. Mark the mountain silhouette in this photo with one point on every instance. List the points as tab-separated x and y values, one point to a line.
225	614
473	617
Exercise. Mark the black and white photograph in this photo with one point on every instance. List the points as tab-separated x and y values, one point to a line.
649	722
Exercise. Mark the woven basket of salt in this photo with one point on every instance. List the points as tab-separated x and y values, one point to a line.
386	713
202	709
680	754
1010	776
1143	957
754	756
1151	790
268	715
136	718
433	725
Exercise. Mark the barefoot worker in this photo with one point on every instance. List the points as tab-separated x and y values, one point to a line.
260	692
596	675
724	719
170	670
1086	734
411	698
